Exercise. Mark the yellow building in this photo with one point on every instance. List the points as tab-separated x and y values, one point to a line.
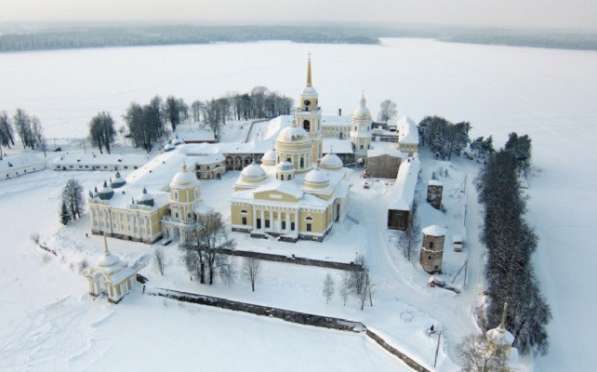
289	195
125	212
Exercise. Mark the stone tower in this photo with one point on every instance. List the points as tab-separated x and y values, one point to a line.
308	115
434	193
432	250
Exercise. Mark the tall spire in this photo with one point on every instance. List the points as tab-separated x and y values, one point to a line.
363	99
504	314
309	82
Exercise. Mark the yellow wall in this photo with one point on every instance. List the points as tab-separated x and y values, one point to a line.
236	216
275	195
318	225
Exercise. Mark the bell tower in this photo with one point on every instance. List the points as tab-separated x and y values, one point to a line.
308	114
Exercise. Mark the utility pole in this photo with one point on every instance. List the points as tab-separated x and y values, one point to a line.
439	336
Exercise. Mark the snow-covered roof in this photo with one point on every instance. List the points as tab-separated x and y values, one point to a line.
253	172
408	133
331	161
385	148
269	157
10	162
93	158
403	192
184	179
188	133
205	159
335	121
292	134
317	176
434	183
336	146
434	230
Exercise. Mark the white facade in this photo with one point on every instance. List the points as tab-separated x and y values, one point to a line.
360	133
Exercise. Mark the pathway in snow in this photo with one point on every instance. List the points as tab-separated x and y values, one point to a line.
394	276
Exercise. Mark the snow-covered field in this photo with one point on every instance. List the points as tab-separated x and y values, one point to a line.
548	94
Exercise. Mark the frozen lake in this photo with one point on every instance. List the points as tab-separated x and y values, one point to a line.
550	94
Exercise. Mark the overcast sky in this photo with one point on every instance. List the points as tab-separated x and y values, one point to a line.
507	13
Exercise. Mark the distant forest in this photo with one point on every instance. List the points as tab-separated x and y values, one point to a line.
14	38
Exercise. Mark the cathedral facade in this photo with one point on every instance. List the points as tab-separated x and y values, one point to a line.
295	193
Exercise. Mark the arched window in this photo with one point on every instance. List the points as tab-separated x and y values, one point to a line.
306	125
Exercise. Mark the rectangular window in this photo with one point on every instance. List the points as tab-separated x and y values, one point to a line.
309	227
259	223
292	226
244	220
267	224
283	225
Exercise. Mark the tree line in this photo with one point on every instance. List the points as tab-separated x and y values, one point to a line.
147	124
28	129
444	138
510	244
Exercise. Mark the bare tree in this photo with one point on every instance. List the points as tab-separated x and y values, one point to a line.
328	288
160	260
211	239
345	289
251	270
6	133
478	354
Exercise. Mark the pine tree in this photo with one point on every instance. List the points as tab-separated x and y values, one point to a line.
64	215
328	288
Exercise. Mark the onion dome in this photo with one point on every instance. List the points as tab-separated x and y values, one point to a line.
500	336
285	171
118	181
292	134
434	230
309	92
331	162
184	179
362	113
252	173
269	158
317	179
106	192
146	198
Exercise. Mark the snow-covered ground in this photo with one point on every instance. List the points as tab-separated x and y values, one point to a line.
547	93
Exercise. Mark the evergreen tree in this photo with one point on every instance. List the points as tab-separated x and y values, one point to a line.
64	214
510	243
520	147
444	138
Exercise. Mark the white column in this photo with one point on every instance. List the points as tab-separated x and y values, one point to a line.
254	215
